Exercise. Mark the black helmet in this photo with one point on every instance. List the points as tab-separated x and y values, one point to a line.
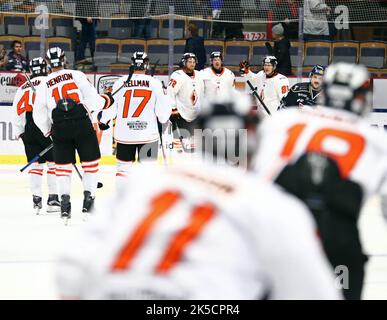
225	120
185	58
346	86
38	67
55	57
317	69
140	60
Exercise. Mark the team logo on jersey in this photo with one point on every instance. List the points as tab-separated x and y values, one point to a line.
105	83
194	97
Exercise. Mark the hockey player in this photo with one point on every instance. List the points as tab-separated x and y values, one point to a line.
337	130
217	79
137	107
186	89
192	232
62	109
305	93
271	86
33	139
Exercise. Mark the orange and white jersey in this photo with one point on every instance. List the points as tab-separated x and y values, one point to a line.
359	149
270	89
24	102
195	231
61	84
136	107
186	93
217	83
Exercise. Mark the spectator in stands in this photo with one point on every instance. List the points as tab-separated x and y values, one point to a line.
85	12
316	14
143	8
281	50
195	44
286	11
3	58
15	60
88	36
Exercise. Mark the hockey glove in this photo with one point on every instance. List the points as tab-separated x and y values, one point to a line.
109	96
102	126
244	67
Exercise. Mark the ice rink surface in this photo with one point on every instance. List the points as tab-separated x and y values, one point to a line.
29	244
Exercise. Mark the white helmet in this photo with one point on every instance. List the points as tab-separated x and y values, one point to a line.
346	86
55	57
270	59
140	60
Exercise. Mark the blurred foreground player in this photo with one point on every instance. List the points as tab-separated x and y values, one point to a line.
63	107
338	132
195	231
33	139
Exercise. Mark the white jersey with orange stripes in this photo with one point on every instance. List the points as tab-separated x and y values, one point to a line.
195	231
24	102
359	149
270	89
137	107
186	93
61	84
217	83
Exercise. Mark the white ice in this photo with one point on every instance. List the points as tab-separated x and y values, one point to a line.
29	244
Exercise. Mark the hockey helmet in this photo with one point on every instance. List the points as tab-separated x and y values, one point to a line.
38	67
317	69
216	54
271	60
140	60
55	57
346	86
224	120
186	57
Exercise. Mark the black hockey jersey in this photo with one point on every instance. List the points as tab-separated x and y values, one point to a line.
301	94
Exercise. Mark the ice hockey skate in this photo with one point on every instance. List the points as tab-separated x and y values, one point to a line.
88	202
53	204
65	208
37	203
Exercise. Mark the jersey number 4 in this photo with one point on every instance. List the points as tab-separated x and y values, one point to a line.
24	104
346	160
137	93
160	205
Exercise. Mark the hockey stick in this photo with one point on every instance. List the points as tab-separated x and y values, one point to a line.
29	81
131	71
255	94
34	159
174	124
99	184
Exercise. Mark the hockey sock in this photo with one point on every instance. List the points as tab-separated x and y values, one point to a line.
90	175
123	170
51	178
36	176
63	175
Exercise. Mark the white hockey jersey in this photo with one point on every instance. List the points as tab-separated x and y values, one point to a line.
359	149
195	231
270	89
24	102
186	93
215	84
136	107
65	83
